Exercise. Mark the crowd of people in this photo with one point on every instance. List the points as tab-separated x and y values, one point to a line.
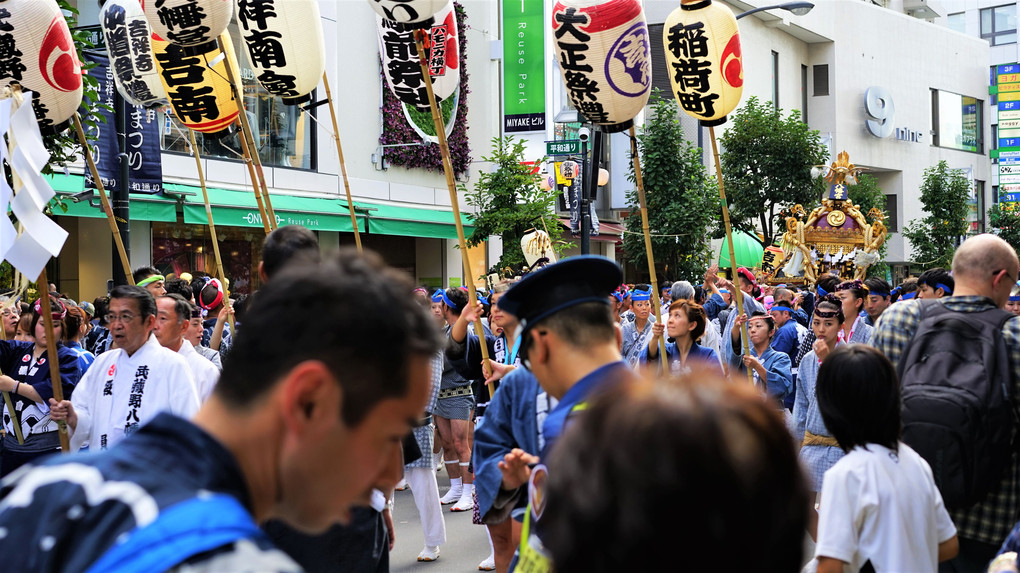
599	433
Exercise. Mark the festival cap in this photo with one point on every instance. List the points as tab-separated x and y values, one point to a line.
89	308
640	295
559	286
202	297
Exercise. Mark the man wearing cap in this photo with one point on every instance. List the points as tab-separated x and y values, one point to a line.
570	342
636	333
150	279
879	292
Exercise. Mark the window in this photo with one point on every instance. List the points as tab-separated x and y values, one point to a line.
893	222
660	69
775	79
957	22
820	74
998	25
956	121
284	135
803	93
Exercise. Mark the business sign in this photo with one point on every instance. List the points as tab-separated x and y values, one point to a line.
564	147
1008	89
523	66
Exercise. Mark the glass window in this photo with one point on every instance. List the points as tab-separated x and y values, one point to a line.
957	22
998	24
284	135
957	121
976	208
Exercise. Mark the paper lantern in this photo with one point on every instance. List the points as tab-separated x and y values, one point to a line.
410	13
604	56
547	182
400	59
36	51
285	45
569	170
702	47
200	95
603	177
131	58
191	24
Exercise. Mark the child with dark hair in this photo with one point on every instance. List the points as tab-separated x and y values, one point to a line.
770	368
879	503
854	295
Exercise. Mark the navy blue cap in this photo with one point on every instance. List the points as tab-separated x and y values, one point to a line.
559	286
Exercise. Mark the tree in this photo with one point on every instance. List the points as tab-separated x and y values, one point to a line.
933	239
1005	222
766	166
681	205
510	202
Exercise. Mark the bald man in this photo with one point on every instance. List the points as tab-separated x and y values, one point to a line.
985	269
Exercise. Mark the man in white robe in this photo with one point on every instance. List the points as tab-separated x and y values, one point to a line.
173	314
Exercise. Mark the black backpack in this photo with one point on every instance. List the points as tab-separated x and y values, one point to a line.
958	400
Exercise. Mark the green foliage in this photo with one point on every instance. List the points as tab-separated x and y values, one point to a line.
934	238
679	198
766	166
510	202
1005	222
867	195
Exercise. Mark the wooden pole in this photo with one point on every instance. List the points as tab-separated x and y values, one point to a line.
212	226
444	150
648	248
739	295
117	239
343	166
54	360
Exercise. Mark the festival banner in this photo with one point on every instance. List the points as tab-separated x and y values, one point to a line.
523	66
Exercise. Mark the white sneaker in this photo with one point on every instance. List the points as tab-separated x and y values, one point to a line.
402	485
452	496
489	564
429	554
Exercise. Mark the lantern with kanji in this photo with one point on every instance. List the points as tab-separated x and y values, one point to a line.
199	94
604	57
702	47
191	24
400	59
285	45
36	51
410	13
131	57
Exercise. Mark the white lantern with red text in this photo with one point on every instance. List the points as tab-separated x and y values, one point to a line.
702	47
199	93
604	58
191	24
39	54
285	45
410	13
400	59
131	57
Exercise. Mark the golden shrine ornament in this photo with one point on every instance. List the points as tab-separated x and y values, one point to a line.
836	218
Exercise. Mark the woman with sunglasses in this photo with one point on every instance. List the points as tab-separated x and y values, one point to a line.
26	376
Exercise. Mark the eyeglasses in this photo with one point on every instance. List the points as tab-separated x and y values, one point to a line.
1011	278
125	318
8	312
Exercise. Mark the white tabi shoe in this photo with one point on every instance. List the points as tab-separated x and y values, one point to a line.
489	564
429	554
452	496
402	485
466	501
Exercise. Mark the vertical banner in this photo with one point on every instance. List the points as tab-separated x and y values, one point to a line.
142	139
523	66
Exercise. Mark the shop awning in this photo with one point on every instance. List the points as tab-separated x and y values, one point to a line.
143	207
240	209
413	222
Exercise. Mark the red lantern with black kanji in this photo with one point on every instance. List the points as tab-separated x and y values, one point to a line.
604	58
199	93
285	45
410	13
191	24
400	59
132	60
702	47
36	51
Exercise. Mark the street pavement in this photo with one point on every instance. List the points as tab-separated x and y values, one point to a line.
466	543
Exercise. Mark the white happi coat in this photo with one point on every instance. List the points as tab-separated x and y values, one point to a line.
119	393
206	373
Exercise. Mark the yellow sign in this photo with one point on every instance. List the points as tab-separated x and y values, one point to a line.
1010	87
1009	96
566	171
1006	79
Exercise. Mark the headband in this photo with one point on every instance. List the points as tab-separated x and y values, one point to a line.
821	292
483	300
56	315
216	301
447	300
909	295
762	318
747	275
196	312
640	295
878	293
437	296
724	290
616	294
420	290
944	288
782	305
151	279
826	313
1014	298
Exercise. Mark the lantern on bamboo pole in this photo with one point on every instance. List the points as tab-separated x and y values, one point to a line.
400	59
132	60
192	25
40	55
410	13
197	87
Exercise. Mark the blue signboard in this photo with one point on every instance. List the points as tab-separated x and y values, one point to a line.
1009	161
1008	105
1009	142
1007	69
1009	198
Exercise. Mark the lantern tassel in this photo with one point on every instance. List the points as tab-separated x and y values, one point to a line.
444	150
343	166
739	294
656	306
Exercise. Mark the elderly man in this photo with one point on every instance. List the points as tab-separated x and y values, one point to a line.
173	315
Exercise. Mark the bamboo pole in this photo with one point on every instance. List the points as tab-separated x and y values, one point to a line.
648	248
212	226
254	181
117	239
739	295
444	149
343	166
54	360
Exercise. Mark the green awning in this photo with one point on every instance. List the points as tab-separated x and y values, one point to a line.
240	209
413	222
142	208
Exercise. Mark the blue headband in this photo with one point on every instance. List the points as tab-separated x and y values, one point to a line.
878	293
1014	298
483	300
821	292
640	295
617	295
438	296
782	306
909	295
944	288
724	290
449	302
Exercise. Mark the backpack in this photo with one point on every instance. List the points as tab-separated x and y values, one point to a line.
958	409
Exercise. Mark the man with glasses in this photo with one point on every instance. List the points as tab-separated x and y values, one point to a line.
9	316
130	384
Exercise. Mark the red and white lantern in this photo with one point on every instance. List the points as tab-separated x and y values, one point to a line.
410	13
131	57
191	24
285	45
702	47
199	94
605	59
39	54
400	59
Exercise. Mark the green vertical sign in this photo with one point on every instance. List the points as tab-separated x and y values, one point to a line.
523	66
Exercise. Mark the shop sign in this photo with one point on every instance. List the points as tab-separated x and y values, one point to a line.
523	66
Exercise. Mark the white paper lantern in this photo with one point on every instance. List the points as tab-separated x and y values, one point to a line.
604	58
603	177
191	24
131	57
400	59
39	54
285	45
411	13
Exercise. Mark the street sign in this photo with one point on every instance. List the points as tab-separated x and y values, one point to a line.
563	147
